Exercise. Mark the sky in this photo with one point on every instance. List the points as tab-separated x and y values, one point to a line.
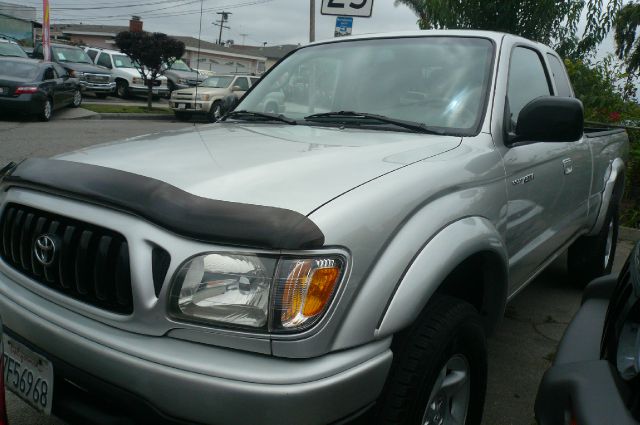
271	21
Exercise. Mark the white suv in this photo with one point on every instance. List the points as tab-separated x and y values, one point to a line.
127	77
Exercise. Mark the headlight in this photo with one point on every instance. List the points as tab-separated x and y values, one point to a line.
257	292
182	81
137	80
204	97
76	74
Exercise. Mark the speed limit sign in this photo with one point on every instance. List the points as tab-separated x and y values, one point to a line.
359	8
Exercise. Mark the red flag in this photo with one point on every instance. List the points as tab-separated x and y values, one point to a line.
45	31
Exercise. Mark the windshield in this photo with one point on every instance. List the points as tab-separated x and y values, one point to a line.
70	54
217	82
180	66
122	61
26	71
10	49
437	81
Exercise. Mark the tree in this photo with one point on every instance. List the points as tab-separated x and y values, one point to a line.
627	45
148	53
552	22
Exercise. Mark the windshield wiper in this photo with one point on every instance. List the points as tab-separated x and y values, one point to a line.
417	127
263	116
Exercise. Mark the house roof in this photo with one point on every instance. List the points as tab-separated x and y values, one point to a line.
252	52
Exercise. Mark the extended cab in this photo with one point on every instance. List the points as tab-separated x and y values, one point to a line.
347	254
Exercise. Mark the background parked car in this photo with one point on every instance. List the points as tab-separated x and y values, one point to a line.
11	48
127	78
36	87
181	76
93	78
212	98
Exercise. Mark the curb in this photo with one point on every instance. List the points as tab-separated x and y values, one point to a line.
117	116
629	234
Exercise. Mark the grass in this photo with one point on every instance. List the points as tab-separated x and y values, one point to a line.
125	109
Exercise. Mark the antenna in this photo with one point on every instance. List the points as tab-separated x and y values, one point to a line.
198	60
224	17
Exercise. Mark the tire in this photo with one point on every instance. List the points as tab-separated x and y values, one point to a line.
46	111
101	95
216	111
122	89
439	368
590	257
77	99
183	116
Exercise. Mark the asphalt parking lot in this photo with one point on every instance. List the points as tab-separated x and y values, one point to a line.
520	351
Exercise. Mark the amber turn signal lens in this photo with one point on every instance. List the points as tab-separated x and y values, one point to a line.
308	287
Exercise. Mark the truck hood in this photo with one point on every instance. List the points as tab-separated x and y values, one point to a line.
86	67
299	168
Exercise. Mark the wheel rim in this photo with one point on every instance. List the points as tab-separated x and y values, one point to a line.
449	400
217	112
77	98
47	109
609	245
121	90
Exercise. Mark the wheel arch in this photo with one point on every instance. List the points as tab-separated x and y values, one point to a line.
612	193
467	260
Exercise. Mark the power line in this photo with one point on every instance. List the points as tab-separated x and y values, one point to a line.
164	14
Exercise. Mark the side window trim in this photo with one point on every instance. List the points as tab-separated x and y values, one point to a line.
543	62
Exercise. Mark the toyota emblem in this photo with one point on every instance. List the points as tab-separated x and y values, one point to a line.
45	250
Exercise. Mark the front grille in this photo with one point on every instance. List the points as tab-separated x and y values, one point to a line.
96	78
89	263
183	97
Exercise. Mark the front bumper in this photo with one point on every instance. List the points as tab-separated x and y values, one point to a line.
191	106
98	88
580	384
180	381
160	90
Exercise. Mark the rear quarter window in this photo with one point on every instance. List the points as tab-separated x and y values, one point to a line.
563	86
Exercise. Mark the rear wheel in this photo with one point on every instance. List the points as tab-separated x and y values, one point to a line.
439	372
46	111
592	256
77	98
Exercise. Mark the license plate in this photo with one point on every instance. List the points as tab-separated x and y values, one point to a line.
181	106
28	375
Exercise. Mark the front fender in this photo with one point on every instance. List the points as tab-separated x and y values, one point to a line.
437	259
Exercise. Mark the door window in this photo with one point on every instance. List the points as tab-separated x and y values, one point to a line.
92	54
563	85
104	60
527	80
242	83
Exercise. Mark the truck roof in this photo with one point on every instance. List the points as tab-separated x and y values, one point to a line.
493	35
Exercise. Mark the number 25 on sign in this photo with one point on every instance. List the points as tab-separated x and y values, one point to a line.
359	8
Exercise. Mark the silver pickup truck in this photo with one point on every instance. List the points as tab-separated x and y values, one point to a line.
346	256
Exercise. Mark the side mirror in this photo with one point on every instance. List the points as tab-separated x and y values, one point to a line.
550	119
236	88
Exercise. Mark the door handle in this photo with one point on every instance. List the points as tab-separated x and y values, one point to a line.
567	164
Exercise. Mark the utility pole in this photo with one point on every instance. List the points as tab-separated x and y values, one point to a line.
224	17
312	21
